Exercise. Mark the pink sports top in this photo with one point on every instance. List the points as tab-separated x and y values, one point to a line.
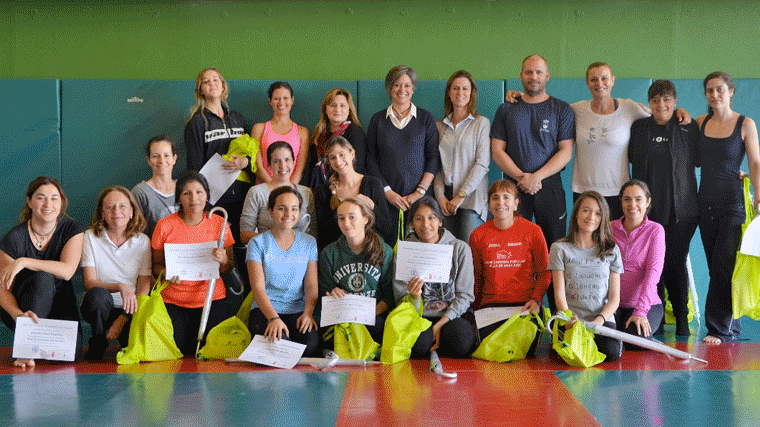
269	136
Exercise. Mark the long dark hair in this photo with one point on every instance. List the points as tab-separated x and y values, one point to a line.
372	246
602	236
26	212
186	178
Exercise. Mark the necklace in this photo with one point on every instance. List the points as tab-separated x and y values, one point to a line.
398	115
40	237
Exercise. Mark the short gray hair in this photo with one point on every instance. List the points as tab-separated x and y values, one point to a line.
396	72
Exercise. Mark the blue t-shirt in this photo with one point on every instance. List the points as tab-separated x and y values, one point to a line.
284	271
532	131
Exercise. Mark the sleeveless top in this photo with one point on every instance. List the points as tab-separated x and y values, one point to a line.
269	136
721	160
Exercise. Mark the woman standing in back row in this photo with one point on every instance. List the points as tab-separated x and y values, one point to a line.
724	137
465	148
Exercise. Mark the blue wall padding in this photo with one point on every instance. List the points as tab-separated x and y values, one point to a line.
30	137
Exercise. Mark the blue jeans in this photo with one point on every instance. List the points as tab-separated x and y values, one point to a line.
462	223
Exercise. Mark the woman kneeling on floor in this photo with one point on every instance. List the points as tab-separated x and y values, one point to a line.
447	305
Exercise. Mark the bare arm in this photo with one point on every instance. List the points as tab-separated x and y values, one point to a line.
261	172
159	264
558	280
558	161
303	155
502	159
613	298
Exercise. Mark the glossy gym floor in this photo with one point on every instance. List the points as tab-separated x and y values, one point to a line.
643	388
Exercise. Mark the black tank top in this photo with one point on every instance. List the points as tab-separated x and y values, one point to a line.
721	160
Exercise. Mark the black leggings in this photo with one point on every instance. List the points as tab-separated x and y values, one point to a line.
654	316
457	339
46	296
98	310
187	322
257	324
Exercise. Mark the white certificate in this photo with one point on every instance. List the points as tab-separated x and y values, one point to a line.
351	308
191	261
219	179
429	261
280	354
491	315
50	339
751	239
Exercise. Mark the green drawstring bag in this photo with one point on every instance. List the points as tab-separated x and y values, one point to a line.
352	341
510	341
402	328
244	145
231	337
400	234
745	282
151	335
576	345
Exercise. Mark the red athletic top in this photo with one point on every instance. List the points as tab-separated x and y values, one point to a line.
509	265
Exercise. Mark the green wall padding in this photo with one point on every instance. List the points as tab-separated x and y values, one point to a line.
30	137
106	124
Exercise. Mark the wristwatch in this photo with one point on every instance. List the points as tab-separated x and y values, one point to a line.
462	194
421	191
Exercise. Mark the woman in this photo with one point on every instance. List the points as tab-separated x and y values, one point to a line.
642	245
586	267
338	118
663	153
461	183
603	129
282	267
185	298
359	262
155	197
281	128
116	267
509	257
38	258
343	183
256	218
446	305
211	127
402	145
724	137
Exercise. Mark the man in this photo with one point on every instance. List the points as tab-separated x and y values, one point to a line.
531	142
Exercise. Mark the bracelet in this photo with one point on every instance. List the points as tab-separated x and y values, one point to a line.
600	315
422	187
274	318
420	190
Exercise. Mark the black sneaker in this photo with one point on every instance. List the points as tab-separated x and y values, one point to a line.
97	348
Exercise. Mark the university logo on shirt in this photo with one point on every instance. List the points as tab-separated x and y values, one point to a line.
356	282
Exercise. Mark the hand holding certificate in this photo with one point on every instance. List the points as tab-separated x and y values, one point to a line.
50	339
491	315
280	353
191	261
428	261
219	179
350	308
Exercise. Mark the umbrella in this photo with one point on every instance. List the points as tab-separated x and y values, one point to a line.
211	284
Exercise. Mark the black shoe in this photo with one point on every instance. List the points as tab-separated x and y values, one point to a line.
97	348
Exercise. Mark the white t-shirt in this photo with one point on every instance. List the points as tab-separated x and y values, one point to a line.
117	265
601	147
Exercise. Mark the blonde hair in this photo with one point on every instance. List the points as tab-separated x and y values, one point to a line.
200	100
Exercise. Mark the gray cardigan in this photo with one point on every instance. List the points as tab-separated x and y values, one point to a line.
465	159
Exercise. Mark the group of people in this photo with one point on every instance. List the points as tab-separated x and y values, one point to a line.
320	216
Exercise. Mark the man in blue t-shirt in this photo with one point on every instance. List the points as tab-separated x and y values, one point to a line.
531	142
